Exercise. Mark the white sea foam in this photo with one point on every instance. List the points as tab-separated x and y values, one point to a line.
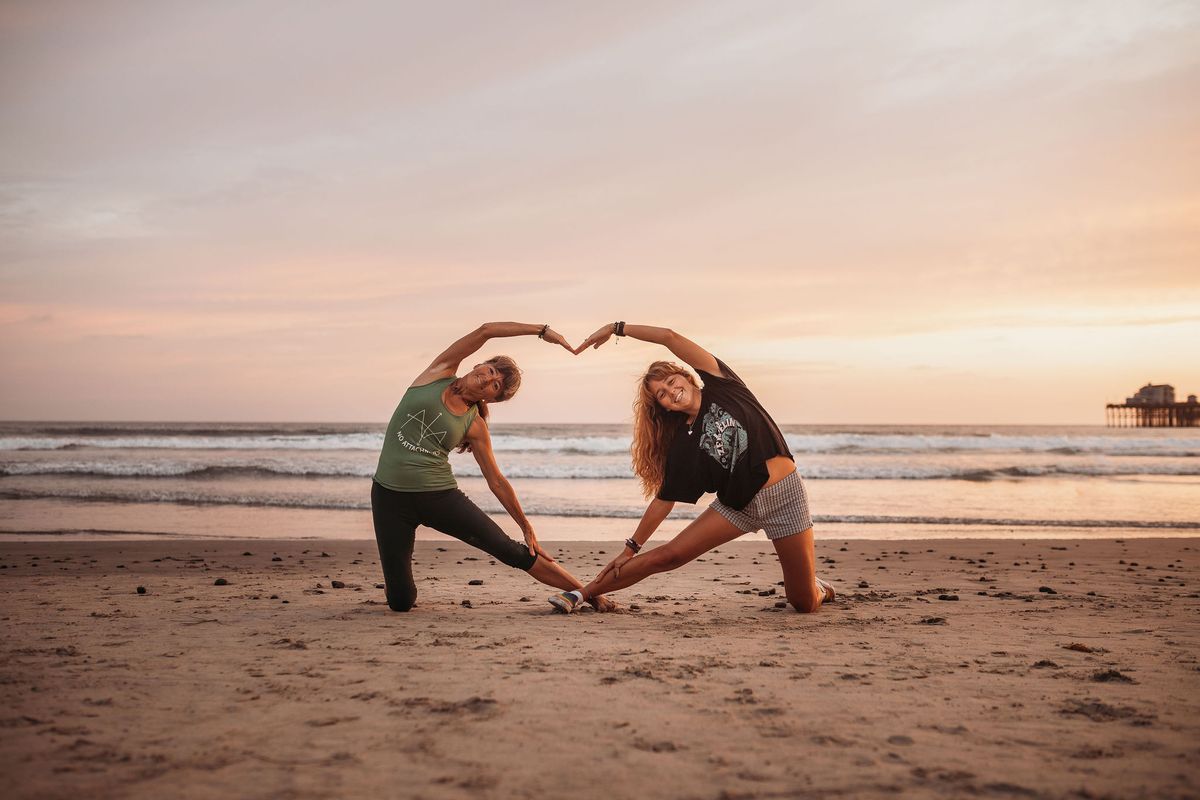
587	469
566	441
1181	446
909	473
341	441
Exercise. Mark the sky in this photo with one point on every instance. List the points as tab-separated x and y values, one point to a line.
876	212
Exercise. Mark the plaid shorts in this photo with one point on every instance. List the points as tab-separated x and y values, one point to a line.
780	509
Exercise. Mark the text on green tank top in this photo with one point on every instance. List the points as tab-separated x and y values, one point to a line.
420	436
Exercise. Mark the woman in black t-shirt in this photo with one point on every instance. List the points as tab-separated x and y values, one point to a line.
689	440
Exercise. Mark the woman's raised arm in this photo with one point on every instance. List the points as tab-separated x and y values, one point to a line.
684	348
446	363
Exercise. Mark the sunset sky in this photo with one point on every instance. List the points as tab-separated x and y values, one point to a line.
878	212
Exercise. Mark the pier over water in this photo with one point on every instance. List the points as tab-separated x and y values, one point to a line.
1154	406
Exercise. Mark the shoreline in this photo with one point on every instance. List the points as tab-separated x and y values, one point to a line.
584	532
280	683
38	520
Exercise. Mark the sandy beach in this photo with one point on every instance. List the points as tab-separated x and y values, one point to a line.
274	669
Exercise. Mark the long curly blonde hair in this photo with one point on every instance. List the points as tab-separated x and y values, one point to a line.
654	427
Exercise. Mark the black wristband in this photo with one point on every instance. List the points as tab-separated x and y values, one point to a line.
542	332
632	545
620	329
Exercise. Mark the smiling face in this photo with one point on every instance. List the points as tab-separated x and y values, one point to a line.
484	382
675	392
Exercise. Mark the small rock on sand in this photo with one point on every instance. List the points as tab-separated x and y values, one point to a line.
476	582
1110	676
220	582
141	590
337	584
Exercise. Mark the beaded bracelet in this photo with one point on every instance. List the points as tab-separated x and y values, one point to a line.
632	545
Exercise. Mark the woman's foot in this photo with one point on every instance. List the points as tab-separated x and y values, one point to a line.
604	605
565	602
827	588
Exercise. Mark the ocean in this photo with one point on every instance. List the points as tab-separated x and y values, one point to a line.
255	480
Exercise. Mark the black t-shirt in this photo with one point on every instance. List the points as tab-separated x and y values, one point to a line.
726	448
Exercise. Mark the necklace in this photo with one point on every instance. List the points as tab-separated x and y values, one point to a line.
692	425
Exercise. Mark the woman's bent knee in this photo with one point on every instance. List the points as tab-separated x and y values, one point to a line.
806	605
404	603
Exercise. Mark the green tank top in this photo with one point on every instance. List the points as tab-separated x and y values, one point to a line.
420	436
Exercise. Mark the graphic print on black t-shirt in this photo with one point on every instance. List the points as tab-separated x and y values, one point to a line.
723	437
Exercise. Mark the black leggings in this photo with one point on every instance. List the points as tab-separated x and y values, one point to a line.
397	515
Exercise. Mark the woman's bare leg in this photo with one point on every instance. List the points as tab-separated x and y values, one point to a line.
709	530
798	559
554	574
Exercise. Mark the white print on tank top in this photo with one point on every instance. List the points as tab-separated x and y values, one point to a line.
424	432
724	437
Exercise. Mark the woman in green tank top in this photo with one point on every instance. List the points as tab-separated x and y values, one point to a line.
414	486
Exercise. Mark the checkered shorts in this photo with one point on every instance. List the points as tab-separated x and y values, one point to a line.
780	509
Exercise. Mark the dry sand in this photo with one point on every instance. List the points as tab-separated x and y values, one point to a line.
279	685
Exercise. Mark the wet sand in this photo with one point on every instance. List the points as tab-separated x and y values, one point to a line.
981	668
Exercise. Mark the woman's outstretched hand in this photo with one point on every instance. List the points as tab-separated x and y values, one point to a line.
596	339
554	337
615	565
531	542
